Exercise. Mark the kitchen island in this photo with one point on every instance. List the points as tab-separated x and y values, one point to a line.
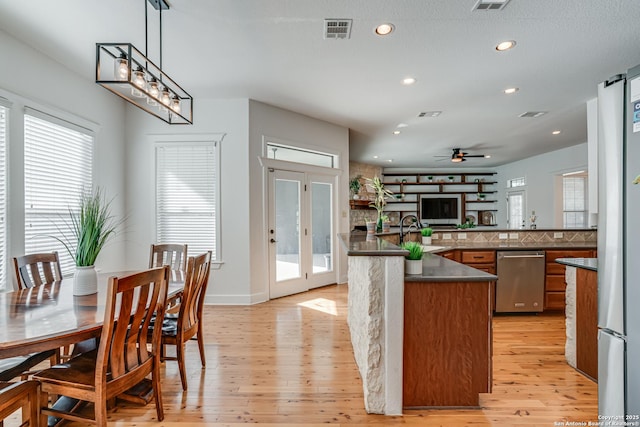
581	348
422	340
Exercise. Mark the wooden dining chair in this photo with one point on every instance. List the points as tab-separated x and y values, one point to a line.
188	323
173	255
23	395
37	269
32	270
123	358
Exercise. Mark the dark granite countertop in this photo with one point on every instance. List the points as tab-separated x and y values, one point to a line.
586	263
362	244
439	269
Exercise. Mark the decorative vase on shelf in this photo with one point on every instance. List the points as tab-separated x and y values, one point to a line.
85	281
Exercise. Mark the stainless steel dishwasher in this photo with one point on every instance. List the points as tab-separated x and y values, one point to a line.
520	285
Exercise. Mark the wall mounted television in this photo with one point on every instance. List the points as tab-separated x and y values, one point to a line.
438	209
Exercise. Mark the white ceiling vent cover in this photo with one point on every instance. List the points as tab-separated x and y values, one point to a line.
337	28
490	5
533	114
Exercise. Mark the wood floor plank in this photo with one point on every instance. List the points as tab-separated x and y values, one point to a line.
289	362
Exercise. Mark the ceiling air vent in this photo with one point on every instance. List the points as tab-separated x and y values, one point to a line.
337	28
490	5
533	114
430	114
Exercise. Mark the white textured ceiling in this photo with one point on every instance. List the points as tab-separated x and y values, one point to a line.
273	51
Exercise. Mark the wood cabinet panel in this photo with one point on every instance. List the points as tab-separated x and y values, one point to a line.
555	284
587	322
452	255
447	343
554	301
477	257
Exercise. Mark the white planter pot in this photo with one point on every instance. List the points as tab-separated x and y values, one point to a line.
412	266
426	240
85	281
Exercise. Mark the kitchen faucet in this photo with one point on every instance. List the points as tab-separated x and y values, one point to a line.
415	223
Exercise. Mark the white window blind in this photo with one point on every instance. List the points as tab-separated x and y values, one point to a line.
186	195
3	198
57	170
574	198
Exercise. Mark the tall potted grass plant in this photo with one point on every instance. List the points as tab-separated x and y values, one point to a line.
91	226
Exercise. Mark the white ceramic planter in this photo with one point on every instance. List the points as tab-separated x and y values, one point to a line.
413	266
426	240
85	281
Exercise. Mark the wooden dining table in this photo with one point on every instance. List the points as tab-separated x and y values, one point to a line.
49	316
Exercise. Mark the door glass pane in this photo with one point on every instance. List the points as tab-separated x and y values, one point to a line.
515	203
321	227
287	204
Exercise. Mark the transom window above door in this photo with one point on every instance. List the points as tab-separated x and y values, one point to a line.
278	151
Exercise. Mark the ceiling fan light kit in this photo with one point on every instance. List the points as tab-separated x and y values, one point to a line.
128	73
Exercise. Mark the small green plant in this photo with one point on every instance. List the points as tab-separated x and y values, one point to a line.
415	250
426	232
384	218
91	227
355	184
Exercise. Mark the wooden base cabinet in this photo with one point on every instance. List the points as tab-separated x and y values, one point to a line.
587	322
447	344
555	284
485	261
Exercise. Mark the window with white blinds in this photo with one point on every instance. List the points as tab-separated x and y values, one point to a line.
58	160
3	197
186	195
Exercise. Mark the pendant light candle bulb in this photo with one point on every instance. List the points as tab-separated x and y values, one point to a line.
121	66
175	104
166	97
138	81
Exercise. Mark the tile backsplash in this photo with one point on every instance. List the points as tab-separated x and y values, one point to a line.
524	236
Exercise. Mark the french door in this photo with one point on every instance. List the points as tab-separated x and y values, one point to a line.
301	242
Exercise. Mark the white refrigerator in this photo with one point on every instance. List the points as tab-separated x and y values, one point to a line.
619	247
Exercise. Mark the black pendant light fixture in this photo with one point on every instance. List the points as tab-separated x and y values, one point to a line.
125	71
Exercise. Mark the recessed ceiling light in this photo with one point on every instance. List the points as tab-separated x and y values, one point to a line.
408	81
402	125
396	132
511	90
390	160
487	156
556	132
375	157
505	45
384	29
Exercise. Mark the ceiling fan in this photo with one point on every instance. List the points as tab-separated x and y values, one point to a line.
460	156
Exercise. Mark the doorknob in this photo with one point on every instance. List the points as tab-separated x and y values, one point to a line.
272	240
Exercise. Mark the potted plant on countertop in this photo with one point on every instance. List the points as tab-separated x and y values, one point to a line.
386	224
91	226
371	226
381	194
426	235
413	261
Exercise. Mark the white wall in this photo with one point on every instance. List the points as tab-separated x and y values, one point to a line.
269	121
27	77
242	278
229	281
541	173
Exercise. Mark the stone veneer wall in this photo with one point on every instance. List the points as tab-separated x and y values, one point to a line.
570	316
360	216
375	319
522	236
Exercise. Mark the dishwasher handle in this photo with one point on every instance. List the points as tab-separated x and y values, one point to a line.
522	256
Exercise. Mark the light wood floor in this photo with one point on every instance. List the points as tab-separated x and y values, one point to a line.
289	362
